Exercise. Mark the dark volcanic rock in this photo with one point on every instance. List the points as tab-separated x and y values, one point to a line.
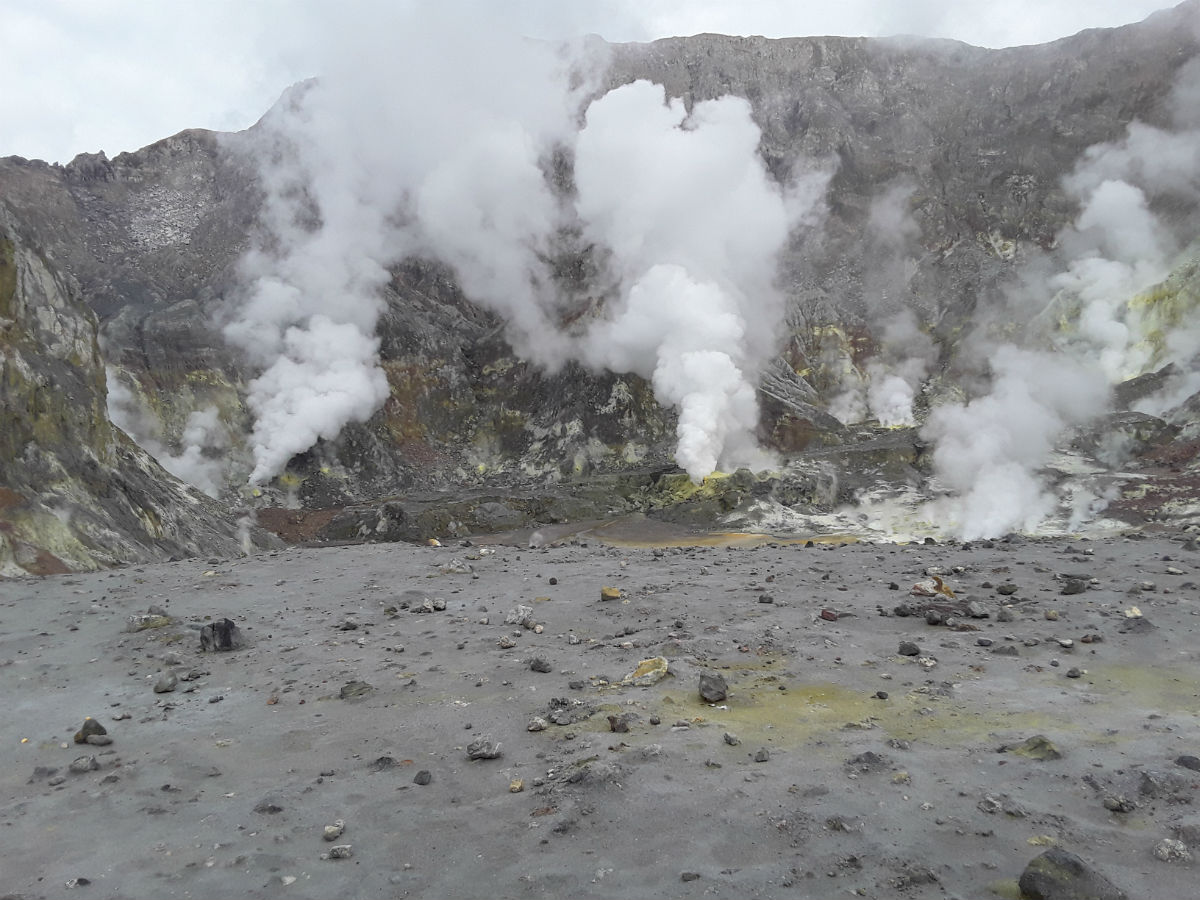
1061	875
713	688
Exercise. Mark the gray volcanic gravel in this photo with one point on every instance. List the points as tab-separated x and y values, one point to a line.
381	730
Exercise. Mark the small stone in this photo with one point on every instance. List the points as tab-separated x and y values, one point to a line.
689	876
334	831
713	688
984	642
765	598
1169	850
355	690
618	724
1066	643
1037	747
830	615
977	610
90	726
1051	615
881	695
537	664
933	617
1119	803
423	777
166	683
1188	762
483	748
340	851
1138	625
149	620
81	765
516	785
269	806
506	643
648	672
762	755
732	739
610	593
1074	672
1073	586
908	648
1006	650
537	723
1005	614
221	636
1007	589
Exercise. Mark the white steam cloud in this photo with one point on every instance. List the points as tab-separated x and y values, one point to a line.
431	147
444	148
989	451
888	385
695	225
202	459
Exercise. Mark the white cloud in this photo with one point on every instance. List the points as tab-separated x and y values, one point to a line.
85	76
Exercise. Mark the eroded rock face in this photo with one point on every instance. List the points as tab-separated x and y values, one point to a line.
75	492
979	141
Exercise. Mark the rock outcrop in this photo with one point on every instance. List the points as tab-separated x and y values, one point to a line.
75	492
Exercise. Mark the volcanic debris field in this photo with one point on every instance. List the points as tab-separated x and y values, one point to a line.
493	720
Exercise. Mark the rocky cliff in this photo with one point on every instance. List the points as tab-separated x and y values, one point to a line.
75	492
947	166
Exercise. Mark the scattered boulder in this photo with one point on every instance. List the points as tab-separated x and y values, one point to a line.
83	764
1059	874
713	688
1188	762
1037	747
648	672
90	727
166	683
483	748
909	648
332	832
222	635
355	690
1170	850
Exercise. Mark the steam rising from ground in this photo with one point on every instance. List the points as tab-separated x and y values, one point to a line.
204	441
694	225
989	450
443	148
888	385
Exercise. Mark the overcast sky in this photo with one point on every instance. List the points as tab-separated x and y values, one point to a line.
114	75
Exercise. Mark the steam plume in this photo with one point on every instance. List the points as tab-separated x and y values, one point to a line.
989	450
457	171
694	225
